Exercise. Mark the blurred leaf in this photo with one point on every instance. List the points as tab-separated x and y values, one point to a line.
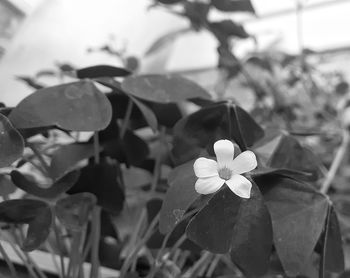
163	88
35	213
169	2
166	39
179	197
197	13
31	82
66	158
252	236
101	71
298	214
74	211
332	257
11	142
225	29
78	106
233	5
209	124
102	180
212	227
59	187
291	154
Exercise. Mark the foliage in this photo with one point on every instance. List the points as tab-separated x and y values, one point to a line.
136	155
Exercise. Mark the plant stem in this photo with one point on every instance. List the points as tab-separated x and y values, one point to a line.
8	261
191	272
59	246
96	231
336	162
126	118
133	254
37	153
96	148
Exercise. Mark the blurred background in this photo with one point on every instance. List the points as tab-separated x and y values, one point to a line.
36	35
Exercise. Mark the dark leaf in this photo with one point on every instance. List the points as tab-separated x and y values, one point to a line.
11	143
226	29
197	13
76	106
6	186
233	5
38	230
59	187
120	99
291	154
163	88
212	227
74	211
169	2
66	158
252	236
102	180
148	114
179	197
168	114
35	213
130	149
219	121
332	259
101	71
298	214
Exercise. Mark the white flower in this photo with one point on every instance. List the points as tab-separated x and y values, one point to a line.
213	174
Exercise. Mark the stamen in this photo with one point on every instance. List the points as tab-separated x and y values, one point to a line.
225	173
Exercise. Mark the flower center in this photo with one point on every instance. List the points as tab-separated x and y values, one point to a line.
225	173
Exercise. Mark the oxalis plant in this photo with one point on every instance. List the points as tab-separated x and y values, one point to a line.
114	171
215	203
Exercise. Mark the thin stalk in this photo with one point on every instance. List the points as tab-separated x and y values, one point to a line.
37	153
132	256
96	231
126	118
203	259
8	261
336	162
60	248
213	266
96	148
74	256
53	258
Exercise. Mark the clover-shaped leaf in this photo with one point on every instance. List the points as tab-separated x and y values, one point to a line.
292	204
59	186
202	128
37	214
103	181
179	197
74	211
78	106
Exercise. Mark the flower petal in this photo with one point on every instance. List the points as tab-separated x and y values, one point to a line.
224	150
243	163
204	167
240	185
208	185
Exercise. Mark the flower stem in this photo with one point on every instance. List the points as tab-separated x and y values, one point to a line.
336	162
